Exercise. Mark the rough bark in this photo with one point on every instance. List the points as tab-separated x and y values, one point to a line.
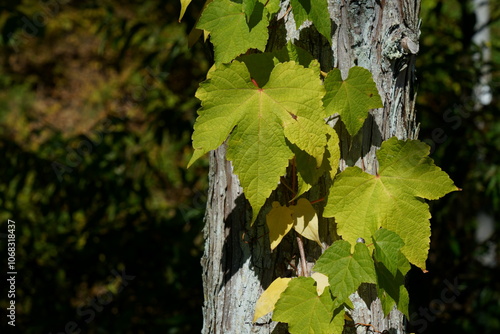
381	36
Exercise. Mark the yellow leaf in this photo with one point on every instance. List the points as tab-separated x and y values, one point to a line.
321	282
184	5
306	220
279	221
268	299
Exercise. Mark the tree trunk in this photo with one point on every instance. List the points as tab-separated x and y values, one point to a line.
381	36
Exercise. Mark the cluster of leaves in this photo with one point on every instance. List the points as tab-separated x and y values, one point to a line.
274	106
271	109
318	303
387	210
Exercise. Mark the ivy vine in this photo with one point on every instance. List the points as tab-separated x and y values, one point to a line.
272	109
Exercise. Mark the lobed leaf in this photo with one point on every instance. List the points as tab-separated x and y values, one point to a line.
258	120
351	98
393	199
305	311
346	271
230	32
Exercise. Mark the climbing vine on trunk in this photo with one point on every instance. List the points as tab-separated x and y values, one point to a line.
273	109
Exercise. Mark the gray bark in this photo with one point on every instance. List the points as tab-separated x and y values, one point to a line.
381	36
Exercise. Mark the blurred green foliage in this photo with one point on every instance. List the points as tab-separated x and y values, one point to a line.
96	110
465	137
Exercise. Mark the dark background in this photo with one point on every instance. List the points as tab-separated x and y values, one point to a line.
96	112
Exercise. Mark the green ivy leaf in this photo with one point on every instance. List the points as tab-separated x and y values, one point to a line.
259	119
317	12
393	199
346	271
305	311
230	33
351	98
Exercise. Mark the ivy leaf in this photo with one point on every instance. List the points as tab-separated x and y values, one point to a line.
305	311
268	299
259	119
351	98
306	220
393	199
230	33
346	271
387	249
279	222
302	217
316	11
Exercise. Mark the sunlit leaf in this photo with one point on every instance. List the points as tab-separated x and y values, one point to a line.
305	311
268	299
362	203
230	32
351	98
346	270
279	222
261	121
306	220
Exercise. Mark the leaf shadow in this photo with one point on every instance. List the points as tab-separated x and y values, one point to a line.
246	253
358	146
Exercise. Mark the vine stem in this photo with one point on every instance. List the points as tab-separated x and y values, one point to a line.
303	262
318	200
